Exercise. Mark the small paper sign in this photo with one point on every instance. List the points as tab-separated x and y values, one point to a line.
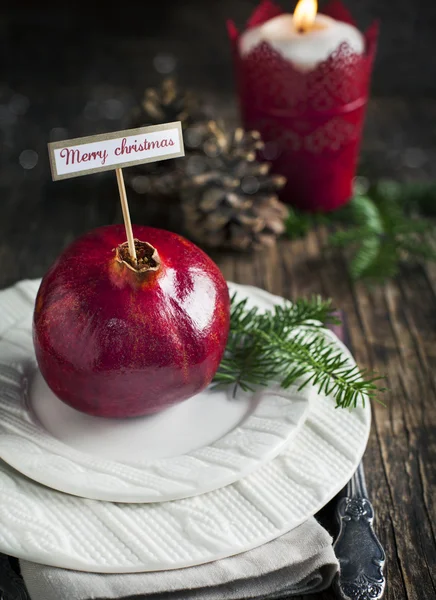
81	156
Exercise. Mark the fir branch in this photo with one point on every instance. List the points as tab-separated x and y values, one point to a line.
385	265
365	212
298	224
414	196
316	360
381	235
289	345
379	230
365	256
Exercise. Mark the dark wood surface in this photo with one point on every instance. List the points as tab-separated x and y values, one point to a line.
392	328
52	92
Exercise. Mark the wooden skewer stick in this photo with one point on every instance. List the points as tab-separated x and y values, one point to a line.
126	214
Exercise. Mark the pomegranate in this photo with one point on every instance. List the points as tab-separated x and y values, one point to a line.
117	339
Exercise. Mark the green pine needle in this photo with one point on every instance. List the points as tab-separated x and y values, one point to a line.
288	345
298	224
380	230
381	235
413	196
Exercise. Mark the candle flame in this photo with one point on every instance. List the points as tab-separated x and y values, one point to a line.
304	14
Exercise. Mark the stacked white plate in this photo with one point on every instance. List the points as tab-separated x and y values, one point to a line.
214	476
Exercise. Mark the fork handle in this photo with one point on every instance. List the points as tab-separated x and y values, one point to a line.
360	554
11	585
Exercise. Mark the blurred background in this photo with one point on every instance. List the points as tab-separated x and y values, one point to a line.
75	69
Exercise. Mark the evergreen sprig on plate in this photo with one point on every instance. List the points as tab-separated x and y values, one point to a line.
289	345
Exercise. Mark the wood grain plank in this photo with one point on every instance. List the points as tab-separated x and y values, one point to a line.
392	328
395	433
372	348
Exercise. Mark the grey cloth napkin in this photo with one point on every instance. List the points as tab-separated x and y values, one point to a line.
300	562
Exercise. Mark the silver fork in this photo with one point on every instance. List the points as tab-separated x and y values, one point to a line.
359	551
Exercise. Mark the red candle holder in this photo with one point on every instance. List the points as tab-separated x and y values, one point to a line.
311	122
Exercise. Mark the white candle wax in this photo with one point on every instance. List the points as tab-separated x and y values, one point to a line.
305	49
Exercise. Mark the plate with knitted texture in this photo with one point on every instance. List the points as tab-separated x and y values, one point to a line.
202	444
43	525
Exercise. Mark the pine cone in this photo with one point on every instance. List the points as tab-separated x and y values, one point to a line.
229	199
165	105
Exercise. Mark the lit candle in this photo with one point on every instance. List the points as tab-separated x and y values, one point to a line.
304	38
303	83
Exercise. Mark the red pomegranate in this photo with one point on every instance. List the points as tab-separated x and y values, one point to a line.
118	340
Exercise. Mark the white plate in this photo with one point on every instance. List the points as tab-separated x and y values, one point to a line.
202	444
46	526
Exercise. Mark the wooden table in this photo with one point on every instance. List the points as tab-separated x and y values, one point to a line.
392	328
393	331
